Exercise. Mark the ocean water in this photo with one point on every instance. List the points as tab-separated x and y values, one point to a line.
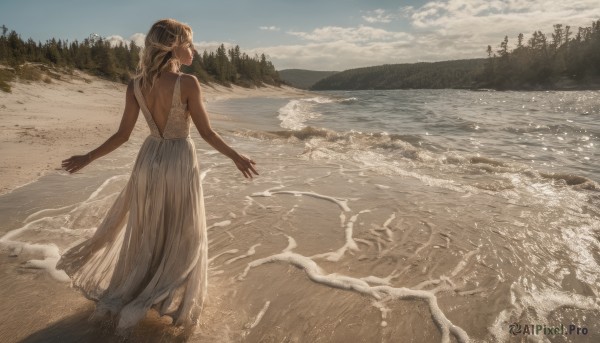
378	216
548	131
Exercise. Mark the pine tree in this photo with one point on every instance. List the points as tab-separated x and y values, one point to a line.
95	55
103	55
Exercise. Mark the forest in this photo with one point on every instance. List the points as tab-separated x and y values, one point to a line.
97	56
447	74
565	59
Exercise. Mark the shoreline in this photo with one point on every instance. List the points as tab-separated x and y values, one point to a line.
44	123
472	89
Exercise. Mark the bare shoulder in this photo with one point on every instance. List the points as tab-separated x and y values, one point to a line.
190	83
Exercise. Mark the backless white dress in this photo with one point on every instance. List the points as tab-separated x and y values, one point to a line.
150	251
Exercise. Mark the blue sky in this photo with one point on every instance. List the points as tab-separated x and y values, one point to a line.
310	34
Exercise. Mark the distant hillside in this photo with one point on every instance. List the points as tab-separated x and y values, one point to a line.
301	78
447	74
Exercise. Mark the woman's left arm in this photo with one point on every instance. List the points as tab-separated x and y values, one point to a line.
130	115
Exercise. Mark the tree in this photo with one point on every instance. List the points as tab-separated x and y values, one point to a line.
567	34
52	52
503	52
15	45
543	64
96	55
134	56
557	36
104	57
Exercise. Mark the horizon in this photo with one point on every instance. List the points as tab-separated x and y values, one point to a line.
332	36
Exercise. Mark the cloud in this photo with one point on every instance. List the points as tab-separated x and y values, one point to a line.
212	46
339	48
137	38
497	18
115	40
269	28
337	55
439	30
463	28
378	16
357	34
436	31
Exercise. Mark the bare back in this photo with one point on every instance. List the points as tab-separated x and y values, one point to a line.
167	116
160	98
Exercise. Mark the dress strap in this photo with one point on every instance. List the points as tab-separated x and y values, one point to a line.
137	91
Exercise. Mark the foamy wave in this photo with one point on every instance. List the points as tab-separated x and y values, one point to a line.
382	151
27	239
319	100
537	305
348	100
297	112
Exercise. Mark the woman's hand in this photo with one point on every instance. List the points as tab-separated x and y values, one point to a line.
74	163
245	165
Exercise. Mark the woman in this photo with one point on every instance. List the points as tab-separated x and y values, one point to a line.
150	251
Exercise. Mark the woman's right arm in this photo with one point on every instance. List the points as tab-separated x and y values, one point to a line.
130	115
199	116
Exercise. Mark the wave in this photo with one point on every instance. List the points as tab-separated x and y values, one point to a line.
348	100
297	112
377	149
577	181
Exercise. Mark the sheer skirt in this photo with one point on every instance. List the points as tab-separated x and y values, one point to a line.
150	251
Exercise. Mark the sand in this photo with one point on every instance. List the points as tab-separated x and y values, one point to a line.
45	123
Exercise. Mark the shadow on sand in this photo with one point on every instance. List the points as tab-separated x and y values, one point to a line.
77	328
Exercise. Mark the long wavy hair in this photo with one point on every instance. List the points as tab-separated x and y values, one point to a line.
157	55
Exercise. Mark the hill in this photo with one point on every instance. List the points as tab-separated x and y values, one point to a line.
301	78
446	74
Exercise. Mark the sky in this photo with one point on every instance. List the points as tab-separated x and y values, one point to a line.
308	34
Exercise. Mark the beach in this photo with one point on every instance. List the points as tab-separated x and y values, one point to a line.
42	124
378	216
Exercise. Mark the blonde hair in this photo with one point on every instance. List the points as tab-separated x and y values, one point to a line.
157	56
